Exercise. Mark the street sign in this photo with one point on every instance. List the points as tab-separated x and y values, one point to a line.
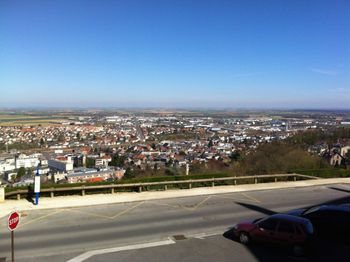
37	184
13	221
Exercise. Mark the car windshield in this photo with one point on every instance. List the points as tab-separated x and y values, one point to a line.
258	220
310	210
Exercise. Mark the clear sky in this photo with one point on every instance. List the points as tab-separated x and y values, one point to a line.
183	53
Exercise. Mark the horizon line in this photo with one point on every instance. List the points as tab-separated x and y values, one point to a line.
214	108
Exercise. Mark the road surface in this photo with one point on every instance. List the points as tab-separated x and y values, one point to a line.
196	226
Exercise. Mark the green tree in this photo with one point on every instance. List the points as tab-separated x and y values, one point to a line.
53	178
117	160
20	173
235	156
129	173
90	162
278	157
170	162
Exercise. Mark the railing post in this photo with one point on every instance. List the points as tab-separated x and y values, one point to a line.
190	185
275	179
140	189
18	195
52	193
213	183
83	191
165	187
112	190
255	180
295	178
235	181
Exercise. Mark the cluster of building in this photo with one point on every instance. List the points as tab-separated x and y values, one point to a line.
117	130
56	168
67	136
65	152
336	155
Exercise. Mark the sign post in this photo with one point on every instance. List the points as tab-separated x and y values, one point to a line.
12	223
37	186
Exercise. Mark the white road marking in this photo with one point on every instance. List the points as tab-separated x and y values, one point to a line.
89	254
204	235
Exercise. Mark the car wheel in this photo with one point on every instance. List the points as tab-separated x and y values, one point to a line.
244	238
298	250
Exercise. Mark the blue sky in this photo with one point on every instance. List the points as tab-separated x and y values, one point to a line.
190	53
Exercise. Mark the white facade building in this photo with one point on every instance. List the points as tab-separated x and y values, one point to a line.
22	160
7	165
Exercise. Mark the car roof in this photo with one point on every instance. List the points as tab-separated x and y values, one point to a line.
343	208
291	218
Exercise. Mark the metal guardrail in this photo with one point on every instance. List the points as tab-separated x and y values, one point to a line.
139	186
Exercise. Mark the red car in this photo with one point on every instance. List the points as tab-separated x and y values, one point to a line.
279	229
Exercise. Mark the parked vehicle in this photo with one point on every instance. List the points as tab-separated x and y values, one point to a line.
329	221
278	229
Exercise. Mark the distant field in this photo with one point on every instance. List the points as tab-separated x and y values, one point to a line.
19	120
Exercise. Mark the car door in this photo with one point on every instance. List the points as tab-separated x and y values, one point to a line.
265	230
285	233
339	224
322	221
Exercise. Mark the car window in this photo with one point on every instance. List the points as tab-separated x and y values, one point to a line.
308	228
286	227
268	224
317	214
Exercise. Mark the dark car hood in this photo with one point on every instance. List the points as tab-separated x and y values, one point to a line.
296	212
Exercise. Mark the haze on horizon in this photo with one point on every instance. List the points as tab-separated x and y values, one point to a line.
175	54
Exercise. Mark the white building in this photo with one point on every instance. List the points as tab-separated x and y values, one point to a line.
22	160
7	165
96	176
344	150
102	161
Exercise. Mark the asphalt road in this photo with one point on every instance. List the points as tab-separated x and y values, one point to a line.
200	225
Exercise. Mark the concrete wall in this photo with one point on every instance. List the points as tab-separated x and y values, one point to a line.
2	194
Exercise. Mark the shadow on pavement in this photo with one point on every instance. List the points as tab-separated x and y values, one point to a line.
339	189
262	210
30	195
338	201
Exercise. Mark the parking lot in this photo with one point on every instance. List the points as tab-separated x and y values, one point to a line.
198	226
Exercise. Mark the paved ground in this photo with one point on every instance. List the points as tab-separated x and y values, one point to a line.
221	248
64	233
